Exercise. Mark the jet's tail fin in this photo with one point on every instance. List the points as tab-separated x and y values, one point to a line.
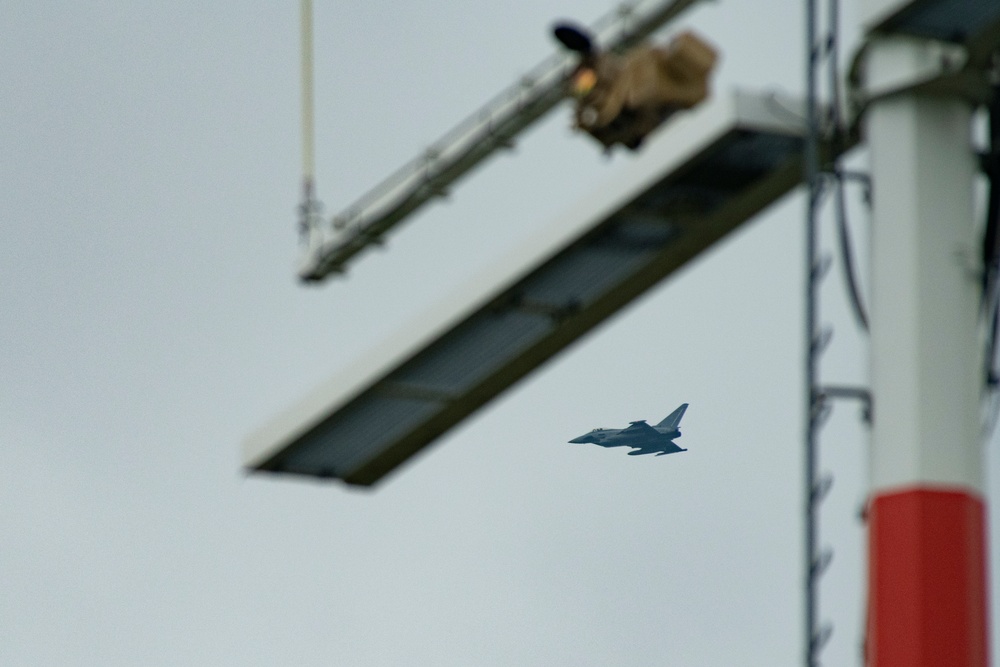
673	420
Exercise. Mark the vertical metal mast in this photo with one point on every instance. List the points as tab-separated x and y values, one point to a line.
923	67
928	593
811	159
819	48
823	175
926	65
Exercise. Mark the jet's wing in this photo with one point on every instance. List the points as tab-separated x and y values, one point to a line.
658	448
643	429
652	441
670	448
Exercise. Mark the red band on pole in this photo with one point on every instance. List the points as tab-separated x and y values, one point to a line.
927	603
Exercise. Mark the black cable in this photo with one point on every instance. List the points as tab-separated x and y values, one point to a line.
991	242
991	165
837	141
846	252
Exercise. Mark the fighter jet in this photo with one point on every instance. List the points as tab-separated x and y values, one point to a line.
640	436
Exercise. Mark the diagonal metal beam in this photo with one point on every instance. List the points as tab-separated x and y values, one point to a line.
332	245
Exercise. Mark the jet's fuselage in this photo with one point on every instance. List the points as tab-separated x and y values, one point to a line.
613	437
640	436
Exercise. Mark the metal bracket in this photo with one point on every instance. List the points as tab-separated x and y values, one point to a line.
856	393
890	65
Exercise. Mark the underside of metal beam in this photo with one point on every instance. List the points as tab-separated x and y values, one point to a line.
694	182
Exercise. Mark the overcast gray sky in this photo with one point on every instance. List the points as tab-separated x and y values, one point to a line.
151	320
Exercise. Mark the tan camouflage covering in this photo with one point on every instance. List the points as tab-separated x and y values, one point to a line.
636	91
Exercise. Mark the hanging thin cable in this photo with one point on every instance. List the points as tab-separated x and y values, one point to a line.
308	132
310	218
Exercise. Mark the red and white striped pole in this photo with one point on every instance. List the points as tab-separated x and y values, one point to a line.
928	587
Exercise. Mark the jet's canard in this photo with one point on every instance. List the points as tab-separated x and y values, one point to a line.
640	436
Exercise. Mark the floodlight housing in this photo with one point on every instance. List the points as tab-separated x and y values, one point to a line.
695	181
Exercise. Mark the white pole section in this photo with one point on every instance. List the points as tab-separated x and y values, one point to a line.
927	597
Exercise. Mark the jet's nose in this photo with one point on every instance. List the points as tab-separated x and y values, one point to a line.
583	439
